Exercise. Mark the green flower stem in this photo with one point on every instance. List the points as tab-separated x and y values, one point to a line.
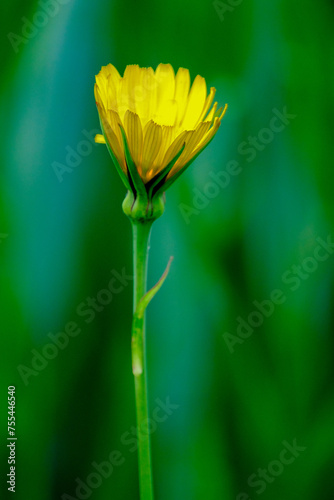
141	234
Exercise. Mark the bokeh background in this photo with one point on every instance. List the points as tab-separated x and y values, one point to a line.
240	394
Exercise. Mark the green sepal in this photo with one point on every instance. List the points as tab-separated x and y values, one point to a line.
153	183
128	202
143	211
118	167
132	169
172	179
156	206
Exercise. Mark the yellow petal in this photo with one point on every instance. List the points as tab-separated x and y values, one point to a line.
193	139
196	102
175	147
166	106
208	103
97	95
166	82
166	113
99	139
131	72
131	79
207	137
112	96
134	135
223	112
210	116
182	85
107	80
139	92
146	95
123	99
110	70
167	139
151	147
126	99
114	122
112	138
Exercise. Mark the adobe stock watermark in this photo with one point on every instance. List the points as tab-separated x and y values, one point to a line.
87	309
103	470
264	477
223	7
250	149
292	279
74	156
30	28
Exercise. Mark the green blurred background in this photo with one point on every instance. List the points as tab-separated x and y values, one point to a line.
241	396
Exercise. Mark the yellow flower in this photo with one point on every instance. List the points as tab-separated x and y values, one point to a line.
155	118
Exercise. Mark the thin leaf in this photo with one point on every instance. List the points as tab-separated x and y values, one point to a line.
146	299
138	323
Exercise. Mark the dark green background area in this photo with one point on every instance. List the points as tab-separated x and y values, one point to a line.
242	393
